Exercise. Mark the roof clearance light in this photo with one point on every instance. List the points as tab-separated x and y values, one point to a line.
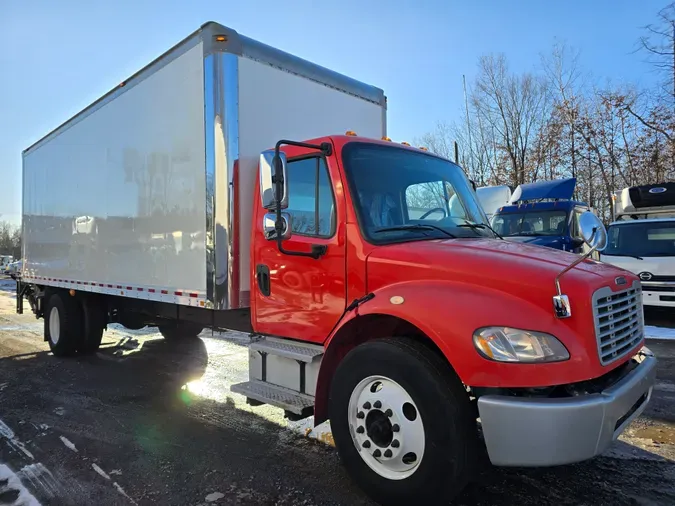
386	139
221	38
406	143
423	148
351	133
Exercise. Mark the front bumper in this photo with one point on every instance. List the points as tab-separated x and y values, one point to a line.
548	432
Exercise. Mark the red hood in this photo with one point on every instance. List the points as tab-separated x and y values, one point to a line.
517	270
494	263
494	282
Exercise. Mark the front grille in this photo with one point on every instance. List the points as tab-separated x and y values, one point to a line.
619	322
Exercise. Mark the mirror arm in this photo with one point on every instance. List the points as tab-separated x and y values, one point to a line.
278	180
575	263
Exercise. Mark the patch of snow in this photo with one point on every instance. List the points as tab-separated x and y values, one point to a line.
11	482
8	434
652	332
116	471
60	411
41	479
100	471
121	491
213	497
68	444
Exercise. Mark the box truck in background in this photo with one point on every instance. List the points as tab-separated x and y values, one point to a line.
642	239
210	190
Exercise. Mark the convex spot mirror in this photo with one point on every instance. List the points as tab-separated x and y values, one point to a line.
593	231
269	229
268	197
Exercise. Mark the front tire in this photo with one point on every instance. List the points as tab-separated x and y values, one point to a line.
63	329
402	423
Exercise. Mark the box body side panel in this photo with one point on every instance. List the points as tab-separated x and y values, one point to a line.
118	198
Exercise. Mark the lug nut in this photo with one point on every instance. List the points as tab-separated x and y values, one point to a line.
389	413
366	444
387	453
360	430
377	453
366	405
395	443
395	427
377	404
360	415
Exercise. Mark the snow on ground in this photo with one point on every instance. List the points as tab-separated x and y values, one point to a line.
652	332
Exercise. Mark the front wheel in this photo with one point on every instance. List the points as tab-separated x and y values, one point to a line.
402	423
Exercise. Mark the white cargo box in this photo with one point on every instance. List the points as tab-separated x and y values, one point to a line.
148	192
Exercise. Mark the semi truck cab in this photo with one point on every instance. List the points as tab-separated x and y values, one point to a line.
543	214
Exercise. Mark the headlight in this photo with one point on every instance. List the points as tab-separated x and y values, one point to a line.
504	344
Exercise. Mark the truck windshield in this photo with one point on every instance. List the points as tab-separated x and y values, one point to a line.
532	222
403	195
641	239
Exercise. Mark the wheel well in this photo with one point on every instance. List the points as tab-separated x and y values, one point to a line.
357	331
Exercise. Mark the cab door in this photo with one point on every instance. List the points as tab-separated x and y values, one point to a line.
298	296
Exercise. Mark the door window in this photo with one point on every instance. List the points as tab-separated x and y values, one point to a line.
310	197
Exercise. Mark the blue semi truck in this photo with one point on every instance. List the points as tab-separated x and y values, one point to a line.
543	214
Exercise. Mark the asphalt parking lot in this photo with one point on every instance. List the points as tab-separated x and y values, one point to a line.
151	422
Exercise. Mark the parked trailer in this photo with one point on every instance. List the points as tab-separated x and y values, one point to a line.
183	199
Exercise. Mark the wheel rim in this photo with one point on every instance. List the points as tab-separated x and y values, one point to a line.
386	427
54	325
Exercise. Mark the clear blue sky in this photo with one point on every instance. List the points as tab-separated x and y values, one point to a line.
57	56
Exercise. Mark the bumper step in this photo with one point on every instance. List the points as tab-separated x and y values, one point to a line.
294	402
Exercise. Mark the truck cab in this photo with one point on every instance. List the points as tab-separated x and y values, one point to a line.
543	214
641	239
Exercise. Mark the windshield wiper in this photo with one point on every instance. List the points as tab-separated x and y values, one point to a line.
483	226
418	226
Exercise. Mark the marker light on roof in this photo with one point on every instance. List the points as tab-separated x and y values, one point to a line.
405	143
351	133
423	148
386	139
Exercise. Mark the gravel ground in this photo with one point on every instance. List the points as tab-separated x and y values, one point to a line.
150	422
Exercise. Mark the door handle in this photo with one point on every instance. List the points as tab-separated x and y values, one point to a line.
262	274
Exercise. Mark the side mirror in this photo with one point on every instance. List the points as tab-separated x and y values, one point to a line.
268	197
593	231
269	229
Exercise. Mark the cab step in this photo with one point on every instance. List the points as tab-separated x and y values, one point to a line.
283	348
293	402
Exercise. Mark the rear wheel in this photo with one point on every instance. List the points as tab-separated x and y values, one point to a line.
94	321
402	423
63	330
180	330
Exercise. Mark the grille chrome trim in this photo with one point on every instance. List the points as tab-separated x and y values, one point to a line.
618	321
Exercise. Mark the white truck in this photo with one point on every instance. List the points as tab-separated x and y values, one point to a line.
641	239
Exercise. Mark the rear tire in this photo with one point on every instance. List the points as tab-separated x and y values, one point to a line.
402	423
180	330
94	320
63	328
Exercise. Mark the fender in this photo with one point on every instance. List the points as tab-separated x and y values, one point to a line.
447	313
